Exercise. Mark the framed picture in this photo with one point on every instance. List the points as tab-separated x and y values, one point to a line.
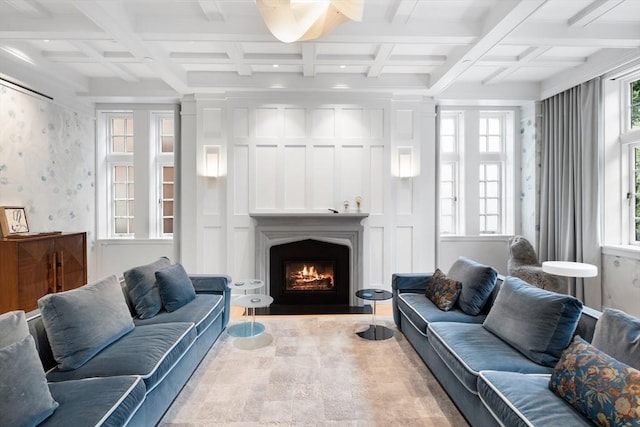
13	220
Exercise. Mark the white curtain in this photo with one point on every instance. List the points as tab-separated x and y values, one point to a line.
569	191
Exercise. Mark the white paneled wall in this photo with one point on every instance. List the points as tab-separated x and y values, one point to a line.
294	155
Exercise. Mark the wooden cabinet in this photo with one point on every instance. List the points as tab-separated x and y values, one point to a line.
31	267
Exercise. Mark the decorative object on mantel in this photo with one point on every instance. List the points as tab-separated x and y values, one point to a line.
298	20
346	205
358	203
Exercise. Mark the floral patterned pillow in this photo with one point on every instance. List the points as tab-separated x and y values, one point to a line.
442	291
603	389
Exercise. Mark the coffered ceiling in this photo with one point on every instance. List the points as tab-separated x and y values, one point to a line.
502	49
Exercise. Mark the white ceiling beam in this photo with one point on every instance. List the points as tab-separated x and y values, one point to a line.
597	65
250	30
526	57
29	7
211	10
55	71
592	12
308	59
401	11
114	20
619	35
504	18
236	55
99	58
381	58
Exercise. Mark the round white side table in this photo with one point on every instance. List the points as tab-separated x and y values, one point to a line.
250	328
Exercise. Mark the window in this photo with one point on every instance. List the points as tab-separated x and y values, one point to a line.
165	144
120	160
631	137
634	108
136	176
476	172
449	164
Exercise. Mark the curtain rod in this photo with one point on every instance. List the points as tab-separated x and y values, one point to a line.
26	88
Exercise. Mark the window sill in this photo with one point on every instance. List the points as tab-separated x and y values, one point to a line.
482	238
133	241
625	251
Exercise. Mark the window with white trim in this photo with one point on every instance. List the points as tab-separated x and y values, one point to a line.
450	134
631	136
136	182
476	172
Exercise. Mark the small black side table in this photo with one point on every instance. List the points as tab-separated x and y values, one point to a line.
375	332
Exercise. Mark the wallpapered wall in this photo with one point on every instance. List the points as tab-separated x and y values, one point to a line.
47	164
529	174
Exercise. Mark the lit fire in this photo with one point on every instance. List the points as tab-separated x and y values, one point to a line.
308	277
309	274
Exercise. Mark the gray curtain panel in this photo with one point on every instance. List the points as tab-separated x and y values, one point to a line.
569	189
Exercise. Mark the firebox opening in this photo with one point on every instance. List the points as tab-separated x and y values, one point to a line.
309	276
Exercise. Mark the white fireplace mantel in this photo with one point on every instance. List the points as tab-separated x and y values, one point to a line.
342	228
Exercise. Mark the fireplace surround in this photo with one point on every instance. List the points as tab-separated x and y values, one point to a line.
344	230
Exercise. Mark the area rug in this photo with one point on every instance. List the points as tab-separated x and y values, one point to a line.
313	371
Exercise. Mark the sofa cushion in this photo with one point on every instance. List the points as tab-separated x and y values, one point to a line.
175	287
443	291
524	400
202	311
26	400
421	311
143	290
150	351
110	401
537	322
477	281
618	335
469	348
13	327
83	321
603	389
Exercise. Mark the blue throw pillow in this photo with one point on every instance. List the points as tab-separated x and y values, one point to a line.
143	290
538	323
618	335
83	321
13	327
175	287
26	399
477	281
600	387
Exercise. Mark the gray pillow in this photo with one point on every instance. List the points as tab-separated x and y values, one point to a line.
539	323
175	287
26	399
618	334
13	327
143	290
83	321
478	281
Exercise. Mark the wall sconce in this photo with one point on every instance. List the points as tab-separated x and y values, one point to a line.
212	161
405	162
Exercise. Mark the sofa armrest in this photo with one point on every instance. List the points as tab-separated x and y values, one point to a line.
410	282
210	283
217	284
406	282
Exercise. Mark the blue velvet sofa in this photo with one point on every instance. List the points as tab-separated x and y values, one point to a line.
107	366
496	364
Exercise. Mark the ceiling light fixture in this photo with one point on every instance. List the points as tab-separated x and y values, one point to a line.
298	20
